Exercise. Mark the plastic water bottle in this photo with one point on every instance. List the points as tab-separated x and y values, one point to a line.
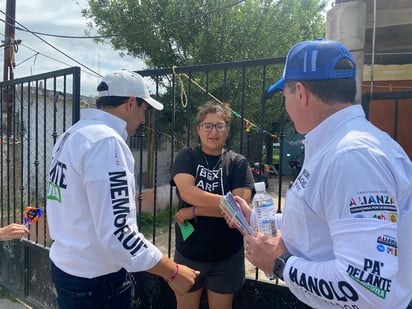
265	210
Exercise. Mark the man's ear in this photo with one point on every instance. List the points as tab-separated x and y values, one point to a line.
303	93
129	103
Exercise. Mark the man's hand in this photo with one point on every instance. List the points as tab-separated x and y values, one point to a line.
184	280
244	207
262	250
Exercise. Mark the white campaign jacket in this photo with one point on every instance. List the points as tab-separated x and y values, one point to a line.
91	201
348	218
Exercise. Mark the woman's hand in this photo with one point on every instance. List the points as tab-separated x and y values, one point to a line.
13	231
184	214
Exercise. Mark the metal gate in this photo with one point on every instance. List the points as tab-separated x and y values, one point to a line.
36	110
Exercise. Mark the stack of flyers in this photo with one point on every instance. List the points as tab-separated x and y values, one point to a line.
232	210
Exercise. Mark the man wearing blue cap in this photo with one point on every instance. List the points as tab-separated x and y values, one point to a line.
344	238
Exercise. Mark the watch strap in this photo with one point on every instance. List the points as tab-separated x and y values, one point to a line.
280	264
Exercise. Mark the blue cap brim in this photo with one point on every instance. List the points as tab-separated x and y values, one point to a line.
279	86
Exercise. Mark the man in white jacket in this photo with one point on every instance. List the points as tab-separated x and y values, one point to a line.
91	204
344	239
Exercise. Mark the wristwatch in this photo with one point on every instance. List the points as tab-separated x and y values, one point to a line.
279	265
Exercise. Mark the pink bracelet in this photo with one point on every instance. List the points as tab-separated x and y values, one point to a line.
193	212
172	277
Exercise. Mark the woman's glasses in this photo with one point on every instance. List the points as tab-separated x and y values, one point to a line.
207	127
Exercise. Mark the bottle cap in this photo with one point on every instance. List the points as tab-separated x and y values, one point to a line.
260	186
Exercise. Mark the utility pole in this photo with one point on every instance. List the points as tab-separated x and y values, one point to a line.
9	62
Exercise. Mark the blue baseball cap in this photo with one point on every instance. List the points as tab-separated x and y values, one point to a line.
315	60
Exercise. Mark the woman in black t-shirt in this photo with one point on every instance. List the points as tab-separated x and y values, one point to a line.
203	239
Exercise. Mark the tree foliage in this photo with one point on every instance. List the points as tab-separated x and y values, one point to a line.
167	33
186	32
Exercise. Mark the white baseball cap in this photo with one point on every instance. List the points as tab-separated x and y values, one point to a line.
127	84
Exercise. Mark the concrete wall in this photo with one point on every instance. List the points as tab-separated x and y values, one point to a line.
346	22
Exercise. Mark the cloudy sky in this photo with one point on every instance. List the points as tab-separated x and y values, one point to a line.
62	18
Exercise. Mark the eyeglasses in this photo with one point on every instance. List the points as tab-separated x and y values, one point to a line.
207	127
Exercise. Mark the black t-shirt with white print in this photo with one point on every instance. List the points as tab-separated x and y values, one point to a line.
212	239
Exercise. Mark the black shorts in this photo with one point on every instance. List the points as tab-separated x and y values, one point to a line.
225	277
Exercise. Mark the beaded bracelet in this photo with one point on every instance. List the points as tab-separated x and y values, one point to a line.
172	277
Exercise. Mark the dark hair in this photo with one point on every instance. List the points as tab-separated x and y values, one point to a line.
331	90
213	107
110	101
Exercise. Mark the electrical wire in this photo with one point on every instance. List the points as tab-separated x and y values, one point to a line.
27	59
37	53
37	34
54	47
181	21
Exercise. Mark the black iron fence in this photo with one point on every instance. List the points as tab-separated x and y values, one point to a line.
35	111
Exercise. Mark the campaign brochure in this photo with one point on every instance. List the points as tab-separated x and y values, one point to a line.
232	210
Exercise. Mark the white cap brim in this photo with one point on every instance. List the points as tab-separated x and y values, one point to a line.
153	103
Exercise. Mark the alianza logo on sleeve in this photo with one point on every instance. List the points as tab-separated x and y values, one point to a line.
376	201
119	192
387	244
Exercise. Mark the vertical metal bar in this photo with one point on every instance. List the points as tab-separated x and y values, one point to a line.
262	119
26	132
45	167
396	116
8	172
172	153
242	110
55	134
76	95
281	141
156	149
64	103
140	135
14	139
36	155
